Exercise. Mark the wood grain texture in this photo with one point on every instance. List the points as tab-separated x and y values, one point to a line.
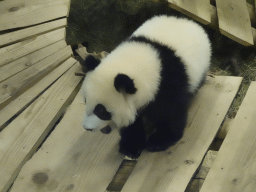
25	62
21	138
15	51
23	13
15	85
71	158
15	36
27	97
234	20
172	170
235	164
196	9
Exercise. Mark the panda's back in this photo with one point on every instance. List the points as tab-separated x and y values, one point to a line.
186	38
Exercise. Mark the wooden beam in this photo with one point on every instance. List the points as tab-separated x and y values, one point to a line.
22	34
214	19
22	137
172	170
234	166
21	102
27	61
234	20
14	86
196	9
14	14
15	51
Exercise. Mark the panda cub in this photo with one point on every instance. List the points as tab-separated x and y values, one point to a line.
151	75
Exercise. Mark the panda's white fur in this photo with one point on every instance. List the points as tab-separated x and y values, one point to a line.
142	64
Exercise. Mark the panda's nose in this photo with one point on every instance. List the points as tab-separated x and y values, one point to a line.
88	129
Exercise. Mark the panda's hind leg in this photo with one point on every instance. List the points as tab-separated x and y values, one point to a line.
168	132
133	139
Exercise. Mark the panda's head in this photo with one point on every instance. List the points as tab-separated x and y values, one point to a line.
107	95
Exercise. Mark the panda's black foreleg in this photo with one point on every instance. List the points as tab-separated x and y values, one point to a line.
168	132
133	139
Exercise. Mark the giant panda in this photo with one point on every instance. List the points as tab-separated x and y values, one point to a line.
149	76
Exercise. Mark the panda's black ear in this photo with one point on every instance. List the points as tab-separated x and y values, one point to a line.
90	63
123	82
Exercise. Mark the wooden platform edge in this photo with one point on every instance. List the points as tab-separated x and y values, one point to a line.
7	114
21	138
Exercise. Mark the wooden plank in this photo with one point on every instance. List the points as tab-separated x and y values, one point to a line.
71	158
15	51
31	31
234	20
27	97
234	167
22	63
172	170
13	86
196	9
21	138
23	13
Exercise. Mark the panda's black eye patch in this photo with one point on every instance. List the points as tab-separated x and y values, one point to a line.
101	112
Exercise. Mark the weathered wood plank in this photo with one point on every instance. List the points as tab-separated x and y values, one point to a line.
234	20
234	167
31	31
15	51
13	86
172	170
196	9
22	63
23	13
20	139
71	158
27	97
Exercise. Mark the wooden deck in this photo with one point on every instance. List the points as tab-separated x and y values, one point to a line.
43	146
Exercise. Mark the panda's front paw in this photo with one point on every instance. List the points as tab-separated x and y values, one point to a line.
131	149
130	152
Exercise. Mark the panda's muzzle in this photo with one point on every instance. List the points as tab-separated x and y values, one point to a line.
93	123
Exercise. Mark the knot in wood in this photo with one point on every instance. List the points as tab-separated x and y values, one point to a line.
13	9
40	178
